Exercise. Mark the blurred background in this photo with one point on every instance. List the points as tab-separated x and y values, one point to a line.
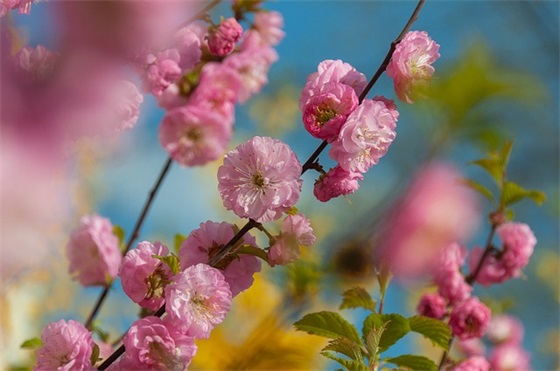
497	79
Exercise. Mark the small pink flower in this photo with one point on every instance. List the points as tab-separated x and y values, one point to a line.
93	251
448	277
66	346
336	182
197	300
411	64
505	329
152	344
222	39
193	135
296	232
260	179
327	110
432	305
332	71
205	242
469	319
162	72
143	277
269	25
365	137
128	110
471	347
510	357
476	363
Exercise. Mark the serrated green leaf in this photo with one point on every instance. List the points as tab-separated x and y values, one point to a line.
493	167
396	326
94	354
479	188
346	347
252	250
172	261
438	332
372	340
384	277
357	297
349	364
328	324
31	343
177	241
513	193
413	362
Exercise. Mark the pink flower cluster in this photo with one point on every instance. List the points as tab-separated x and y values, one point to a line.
359	134
518	245
296	233
23	6
93	251
411	65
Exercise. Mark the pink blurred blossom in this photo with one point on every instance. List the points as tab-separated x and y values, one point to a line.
411	64
471	347
193	135
144	277
447	274
505	329
23	6
469	319
434	211
260	179
510	357
336	182
475	363
364	138
152	344
66	346
432	305
327	110
296	233
222	38
205	242
163	71
198	299
93	251
269	25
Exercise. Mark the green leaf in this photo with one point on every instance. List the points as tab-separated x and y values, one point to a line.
119	232
505	152
384	277
513	193
413	362
94	354
345	346
396	326
172	261
328	324
493	166
373	338
438	332
177	241
252	250
349	364
479	187
31	343
103	335
357	297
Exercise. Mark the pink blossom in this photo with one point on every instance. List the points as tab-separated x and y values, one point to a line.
510	357
492	270
130	100
505	329
336	182
187	43
222	39
471	347
66	346
364	138
193	135
469	319
448	277
93	251
434	211
260	179
411	64
152	344
23	6
327	110
205	242
197	300
269	25
36	64
390	104
432	305
332	71
476	363
296	233
144	277
161	72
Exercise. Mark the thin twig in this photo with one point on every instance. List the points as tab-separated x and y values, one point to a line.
200	14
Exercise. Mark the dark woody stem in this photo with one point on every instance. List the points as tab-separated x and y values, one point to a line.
226	249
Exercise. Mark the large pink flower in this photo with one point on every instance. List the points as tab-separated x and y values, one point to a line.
67	346
469	319
336	182
411	64
197	300
193	135
93	251
365	137
205	242
260	179
143	277
296	232
152	344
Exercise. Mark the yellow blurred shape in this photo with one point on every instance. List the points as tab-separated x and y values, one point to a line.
276	113
548	268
